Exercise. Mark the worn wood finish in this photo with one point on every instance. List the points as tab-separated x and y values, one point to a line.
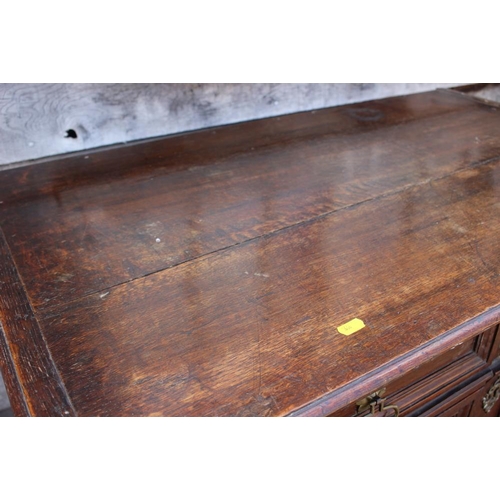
254	327
10	380
436	378
160	204
262	253
30	375
494	354
478	407
35	118
461	403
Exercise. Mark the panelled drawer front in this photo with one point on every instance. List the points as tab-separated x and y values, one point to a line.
441	384
463	401
438	378
495	349
488	405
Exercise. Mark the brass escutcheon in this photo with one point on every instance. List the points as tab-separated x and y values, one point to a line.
375	402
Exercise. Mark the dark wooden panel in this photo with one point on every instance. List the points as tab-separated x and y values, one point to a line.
494	354
486	344
11	381
461	403
415	400
461	409
415	388
31	379
86	224
198	276
252	330
488	404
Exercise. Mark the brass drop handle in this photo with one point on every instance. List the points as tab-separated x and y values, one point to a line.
375	402
492	396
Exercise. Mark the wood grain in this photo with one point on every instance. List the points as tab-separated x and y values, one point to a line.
461	403
252	330
29	372
35	118
159	204
425	382
206	274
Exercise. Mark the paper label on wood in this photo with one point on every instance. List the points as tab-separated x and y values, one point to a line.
352	326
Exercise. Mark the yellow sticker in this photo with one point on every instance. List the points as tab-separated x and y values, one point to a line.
351	326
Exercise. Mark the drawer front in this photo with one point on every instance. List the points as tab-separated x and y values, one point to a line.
437	379
488	405
463	401
495	349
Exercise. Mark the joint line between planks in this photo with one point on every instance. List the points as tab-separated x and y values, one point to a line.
45	313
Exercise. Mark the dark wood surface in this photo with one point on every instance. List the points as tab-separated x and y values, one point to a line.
435	380
206	274
78	226
27	362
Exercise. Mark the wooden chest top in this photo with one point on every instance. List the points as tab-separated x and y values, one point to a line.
207	273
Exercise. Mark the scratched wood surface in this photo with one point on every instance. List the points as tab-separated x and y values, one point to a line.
84	224
252	330
206	274
25	357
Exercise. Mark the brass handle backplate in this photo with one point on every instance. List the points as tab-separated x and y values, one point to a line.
492	396
376	403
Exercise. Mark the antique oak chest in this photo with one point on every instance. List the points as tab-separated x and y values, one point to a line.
213	273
